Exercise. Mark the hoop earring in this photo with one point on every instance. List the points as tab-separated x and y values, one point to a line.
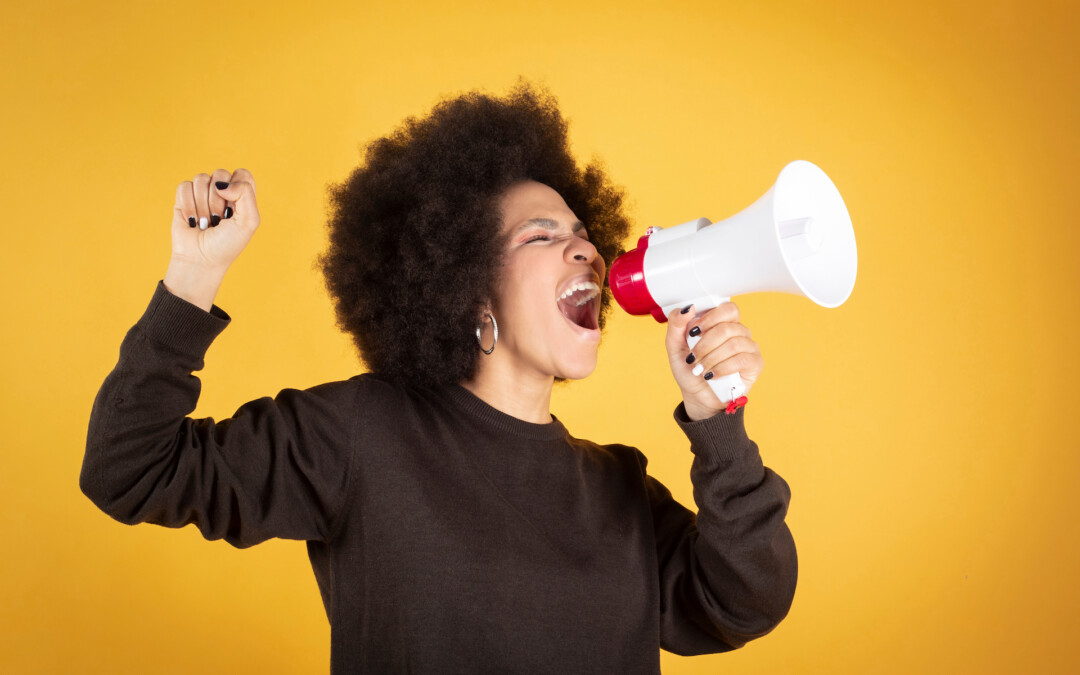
494	326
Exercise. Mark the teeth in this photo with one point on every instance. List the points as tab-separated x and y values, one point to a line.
589	286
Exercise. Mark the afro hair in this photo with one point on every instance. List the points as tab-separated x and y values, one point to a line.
415	234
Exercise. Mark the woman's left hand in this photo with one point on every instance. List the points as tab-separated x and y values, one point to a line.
725	347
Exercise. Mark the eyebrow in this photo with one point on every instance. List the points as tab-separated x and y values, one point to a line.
548	224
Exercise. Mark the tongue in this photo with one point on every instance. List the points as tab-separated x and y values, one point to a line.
582	315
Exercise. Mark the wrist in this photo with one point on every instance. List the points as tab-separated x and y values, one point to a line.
696	413
197	284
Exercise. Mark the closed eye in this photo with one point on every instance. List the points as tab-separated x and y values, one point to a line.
552	225
543	237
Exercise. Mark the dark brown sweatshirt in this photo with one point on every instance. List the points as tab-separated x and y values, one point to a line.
445	535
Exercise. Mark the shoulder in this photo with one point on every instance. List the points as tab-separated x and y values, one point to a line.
375	401
355	397
364	385
626	455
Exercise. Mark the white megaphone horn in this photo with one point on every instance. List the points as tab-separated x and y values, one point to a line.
797	238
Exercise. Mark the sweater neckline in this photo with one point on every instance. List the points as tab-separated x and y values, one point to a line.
483	411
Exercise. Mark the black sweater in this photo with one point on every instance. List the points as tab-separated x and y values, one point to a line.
445	535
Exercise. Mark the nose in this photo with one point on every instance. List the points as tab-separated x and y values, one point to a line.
580	250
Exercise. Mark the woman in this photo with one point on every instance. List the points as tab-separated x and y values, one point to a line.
453	524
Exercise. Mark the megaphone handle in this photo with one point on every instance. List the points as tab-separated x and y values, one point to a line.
727	388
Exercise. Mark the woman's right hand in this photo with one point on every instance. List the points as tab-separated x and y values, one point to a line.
210	227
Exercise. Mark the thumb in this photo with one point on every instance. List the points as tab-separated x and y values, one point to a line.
675	341
234	191
240	195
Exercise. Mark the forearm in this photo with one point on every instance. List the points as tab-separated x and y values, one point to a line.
730	576
142	404
277	467
746	550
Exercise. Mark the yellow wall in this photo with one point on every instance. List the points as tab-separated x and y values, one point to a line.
927	427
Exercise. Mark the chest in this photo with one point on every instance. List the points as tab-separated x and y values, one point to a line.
558	545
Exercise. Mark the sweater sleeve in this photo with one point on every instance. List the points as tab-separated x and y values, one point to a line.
727	575
277	468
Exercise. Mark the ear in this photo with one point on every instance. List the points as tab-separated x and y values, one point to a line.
485	309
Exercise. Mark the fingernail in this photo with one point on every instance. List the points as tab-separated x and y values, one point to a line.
202	223
697	369
191	221
690	359
685	309
221	185
708	375
214	219
228	212
695	331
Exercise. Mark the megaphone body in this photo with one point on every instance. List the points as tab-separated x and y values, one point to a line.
797	238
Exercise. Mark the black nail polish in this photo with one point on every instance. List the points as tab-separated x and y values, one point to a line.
191	221
708	375
221	185
690	359
214	219
228	212
685	309
695	331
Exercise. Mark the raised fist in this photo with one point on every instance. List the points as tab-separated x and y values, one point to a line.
214	218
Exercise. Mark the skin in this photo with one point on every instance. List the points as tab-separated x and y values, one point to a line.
201	257
536	343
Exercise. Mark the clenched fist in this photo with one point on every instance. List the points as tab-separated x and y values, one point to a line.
214	218
725	347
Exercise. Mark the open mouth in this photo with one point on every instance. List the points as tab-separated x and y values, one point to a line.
579	302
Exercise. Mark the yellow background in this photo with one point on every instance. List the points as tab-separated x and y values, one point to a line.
927	427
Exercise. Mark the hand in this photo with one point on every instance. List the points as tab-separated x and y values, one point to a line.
199	201
725	347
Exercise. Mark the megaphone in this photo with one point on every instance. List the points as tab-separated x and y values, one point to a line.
797	238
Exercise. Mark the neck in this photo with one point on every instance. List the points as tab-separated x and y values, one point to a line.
514	393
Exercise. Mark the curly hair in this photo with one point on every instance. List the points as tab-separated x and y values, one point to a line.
415	231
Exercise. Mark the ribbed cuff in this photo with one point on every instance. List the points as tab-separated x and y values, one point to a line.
180	325
721	436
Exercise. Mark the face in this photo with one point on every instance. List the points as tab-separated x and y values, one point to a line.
547	301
